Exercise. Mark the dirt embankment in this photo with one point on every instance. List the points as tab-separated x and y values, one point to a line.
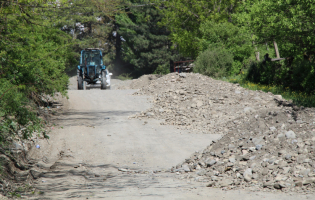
18	160
268	143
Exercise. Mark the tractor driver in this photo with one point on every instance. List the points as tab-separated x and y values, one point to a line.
91	57
95	58
87	58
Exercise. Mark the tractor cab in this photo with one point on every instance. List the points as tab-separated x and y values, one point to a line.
91	70
91	57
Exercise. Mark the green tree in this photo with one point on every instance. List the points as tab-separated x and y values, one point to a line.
90	23
290	23
33	58
237	40
214	62
145	45
185	17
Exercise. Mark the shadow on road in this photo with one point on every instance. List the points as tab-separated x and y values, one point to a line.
90	118
66	181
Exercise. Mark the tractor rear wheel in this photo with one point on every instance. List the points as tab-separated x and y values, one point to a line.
103	81
80	83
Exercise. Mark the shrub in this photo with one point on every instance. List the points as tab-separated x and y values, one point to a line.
299	76
236	40
214	62
162	69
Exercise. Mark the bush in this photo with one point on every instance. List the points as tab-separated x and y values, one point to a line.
33	60
236	40
298	76
214	62
162	69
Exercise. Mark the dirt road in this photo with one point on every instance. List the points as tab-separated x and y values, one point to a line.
96	152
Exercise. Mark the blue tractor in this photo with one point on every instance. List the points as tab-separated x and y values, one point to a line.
91	71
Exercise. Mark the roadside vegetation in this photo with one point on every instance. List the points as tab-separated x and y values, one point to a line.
297	97
34	54
247	31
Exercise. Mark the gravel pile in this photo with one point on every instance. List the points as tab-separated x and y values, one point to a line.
267	142
138	83
196	102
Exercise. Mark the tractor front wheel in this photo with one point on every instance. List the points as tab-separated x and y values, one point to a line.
80	83
103	81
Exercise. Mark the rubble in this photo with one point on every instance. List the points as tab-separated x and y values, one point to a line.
267	143
142	81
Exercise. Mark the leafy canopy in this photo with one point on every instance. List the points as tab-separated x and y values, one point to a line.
289	22
185	17
145	44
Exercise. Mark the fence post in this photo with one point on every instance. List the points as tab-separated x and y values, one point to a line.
256	53
276	49
257	56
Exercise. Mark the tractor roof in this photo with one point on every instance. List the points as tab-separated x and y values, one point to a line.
88	49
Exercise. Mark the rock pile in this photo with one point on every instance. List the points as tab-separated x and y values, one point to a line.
196	102
267	142
142	81
269	149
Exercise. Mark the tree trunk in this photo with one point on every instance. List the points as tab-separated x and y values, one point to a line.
118	45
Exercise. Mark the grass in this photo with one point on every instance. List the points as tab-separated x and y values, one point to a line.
297	97
18	191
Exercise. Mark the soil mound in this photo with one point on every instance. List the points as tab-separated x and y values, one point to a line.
268	143
139	82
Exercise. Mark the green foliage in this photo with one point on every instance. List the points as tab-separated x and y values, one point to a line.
185	17
14	194
18	191
225	35
146	44
298	98
38	40
214	62
33	57
162	69
93	27
290	23
299	76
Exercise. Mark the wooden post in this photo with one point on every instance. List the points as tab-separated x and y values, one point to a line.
276	49
256	53
257	56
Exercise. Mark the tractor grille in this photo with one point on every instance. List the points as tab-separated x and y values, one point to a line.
91	72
